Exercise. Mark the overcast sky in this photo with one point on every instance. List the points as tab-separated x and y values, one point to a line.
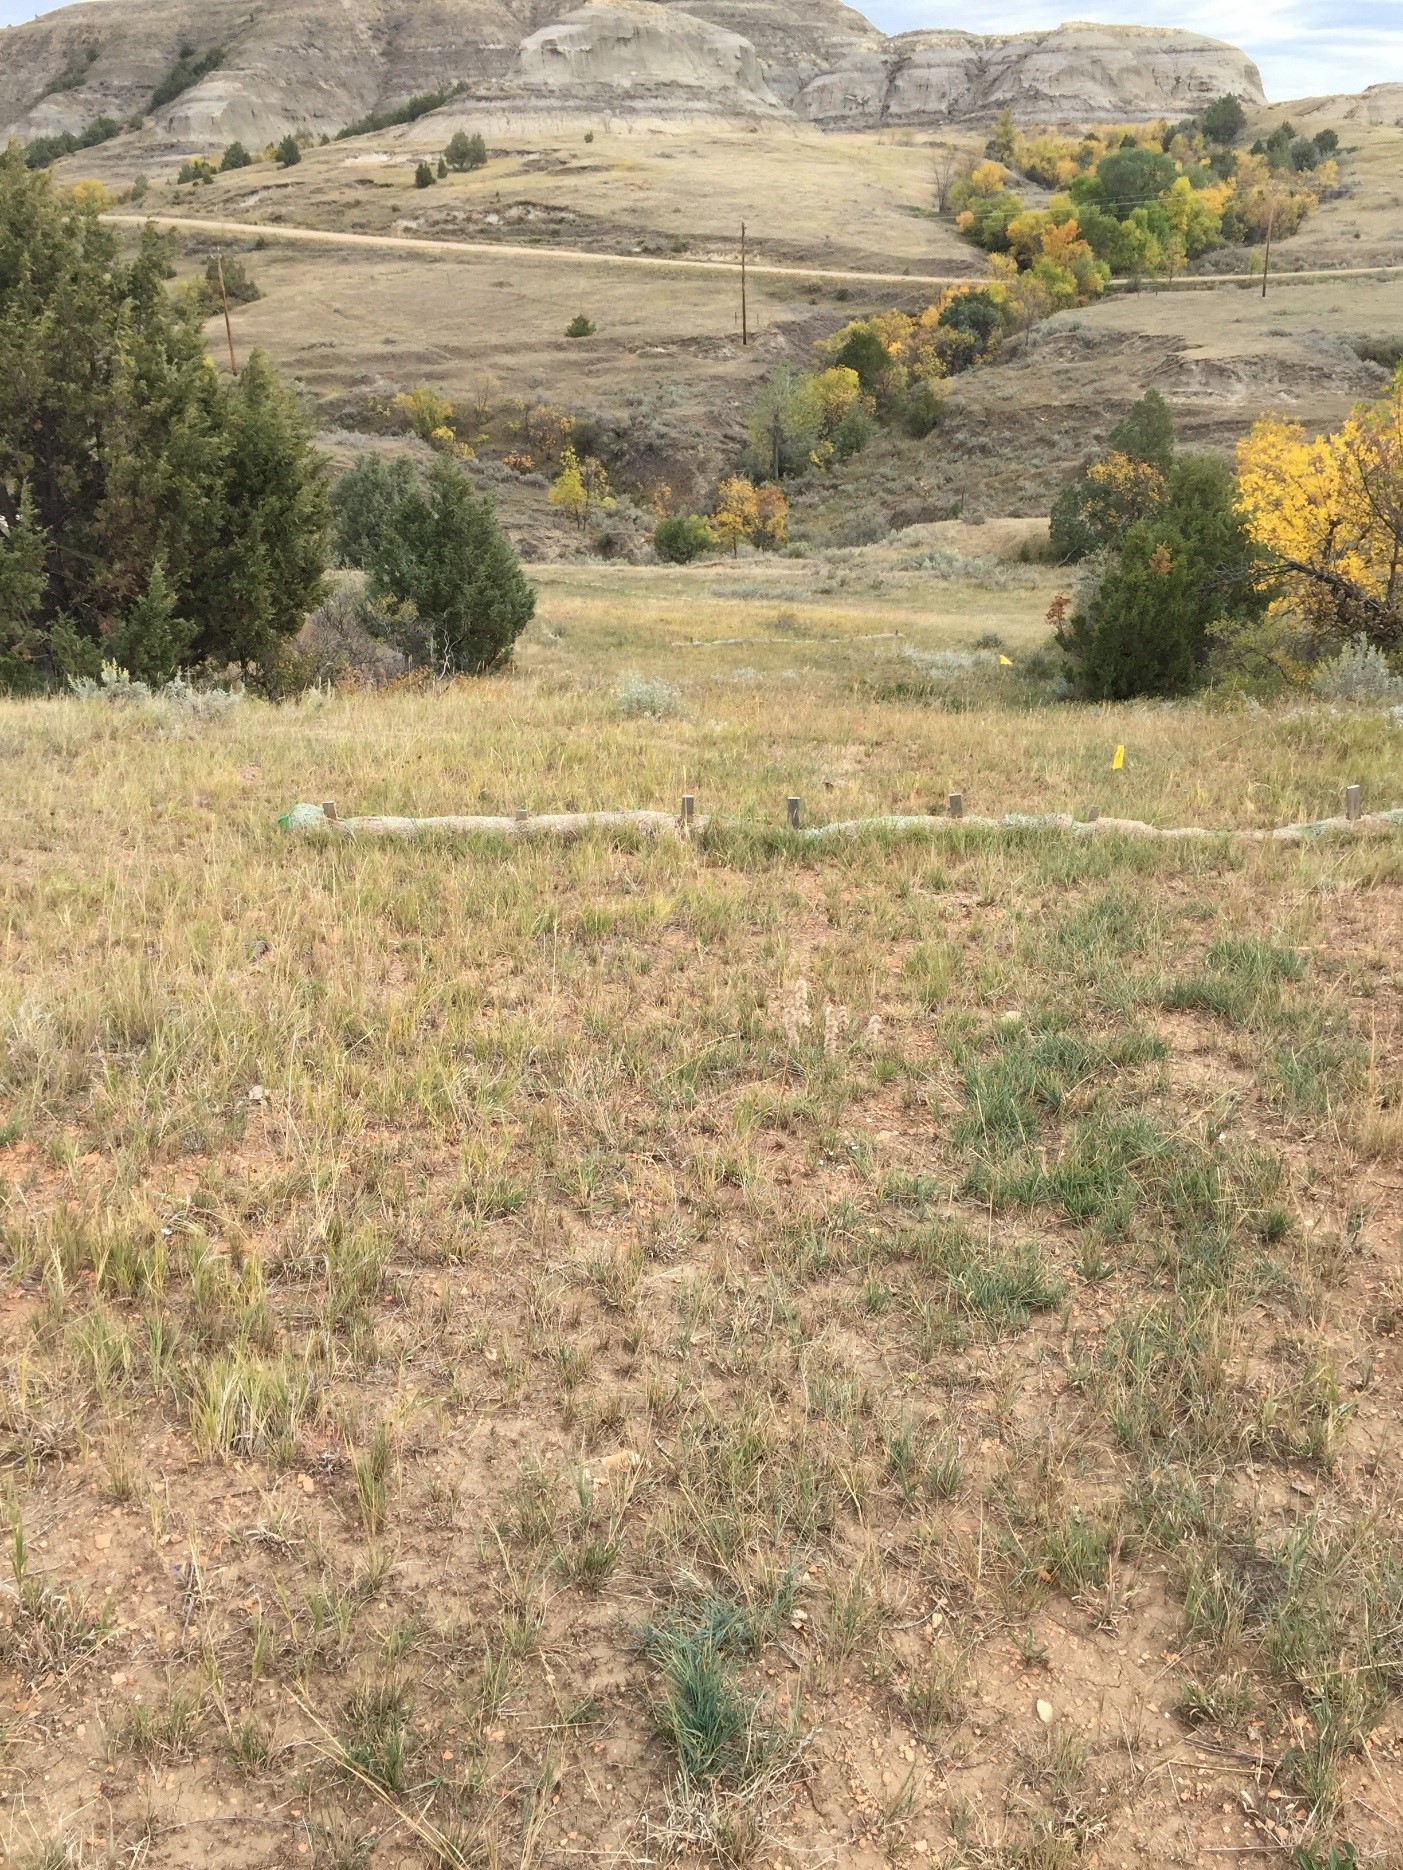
1303	47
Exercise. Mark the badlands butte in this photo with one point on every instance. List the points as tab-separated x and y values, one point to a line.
316	65
639	131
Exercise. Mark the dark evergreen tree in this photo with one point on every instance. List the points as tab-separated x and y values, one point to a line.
152	643
465	151
124	447
1224	120
444	552
364	502
863	351
1146	625
1084	518
1146	432
22	585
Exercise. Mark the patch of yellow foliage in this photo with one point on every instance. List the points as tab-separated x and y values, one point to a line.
90	193
1328	510
1125	490
747	514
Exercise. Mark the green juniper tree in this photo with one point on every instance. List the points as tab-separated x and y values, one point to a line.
1162	589
465	151
1082	520
159	490
152	643
22	585
364	503
439	553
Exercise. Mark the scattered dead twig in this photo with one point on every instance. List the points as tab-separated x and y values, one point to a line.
1259	1761
195	1593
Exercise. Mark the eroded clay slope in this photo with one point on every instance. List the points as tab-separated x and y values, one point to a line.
316	65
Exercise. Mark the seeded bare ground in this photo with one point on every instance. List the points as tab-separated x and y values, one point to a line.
718	1350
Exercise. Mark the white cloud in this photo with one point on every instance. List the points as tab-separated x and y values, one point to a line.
1303	47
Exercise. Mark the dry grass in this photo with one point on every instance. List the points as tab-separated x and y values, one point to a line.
494	1373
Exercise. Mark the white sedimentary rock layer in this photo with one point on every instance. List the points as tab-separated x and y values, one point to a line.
316	65
1071	73
638	46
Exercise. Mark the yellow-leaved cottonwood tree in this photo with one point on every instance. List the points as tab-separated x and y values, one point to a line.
582	488
747	514
1329	513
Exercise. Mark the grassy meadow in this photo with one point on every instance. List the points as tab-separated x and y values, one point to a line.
716	1351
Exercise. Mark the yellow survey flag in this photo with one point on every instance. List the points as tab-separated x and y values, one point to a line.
1005	662
1118	763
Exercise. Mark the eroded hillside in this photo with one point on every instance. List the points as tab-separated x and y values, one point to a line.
188	70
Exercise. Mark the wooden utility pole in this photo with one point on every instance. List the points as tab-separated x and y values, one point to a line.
228	324
744	305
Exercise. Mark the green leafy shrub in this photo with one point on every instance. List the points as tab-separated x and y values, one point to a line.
1129	178
235	157
786	426
423	176
580	327
289	152
682	538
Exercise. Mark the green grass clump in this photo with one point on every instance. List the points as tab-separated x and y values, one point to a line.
1035	1073
711	1723
999	1286
376	1738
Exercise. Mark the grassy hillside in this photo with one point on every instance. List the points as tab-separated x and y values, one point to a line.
666	372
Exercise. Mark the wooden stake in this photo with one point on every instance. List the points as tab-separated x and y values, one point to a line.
329	813
228	324
1266	257
522	814
795	811
1093	814
744	301
689	810
956	805
1354	803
